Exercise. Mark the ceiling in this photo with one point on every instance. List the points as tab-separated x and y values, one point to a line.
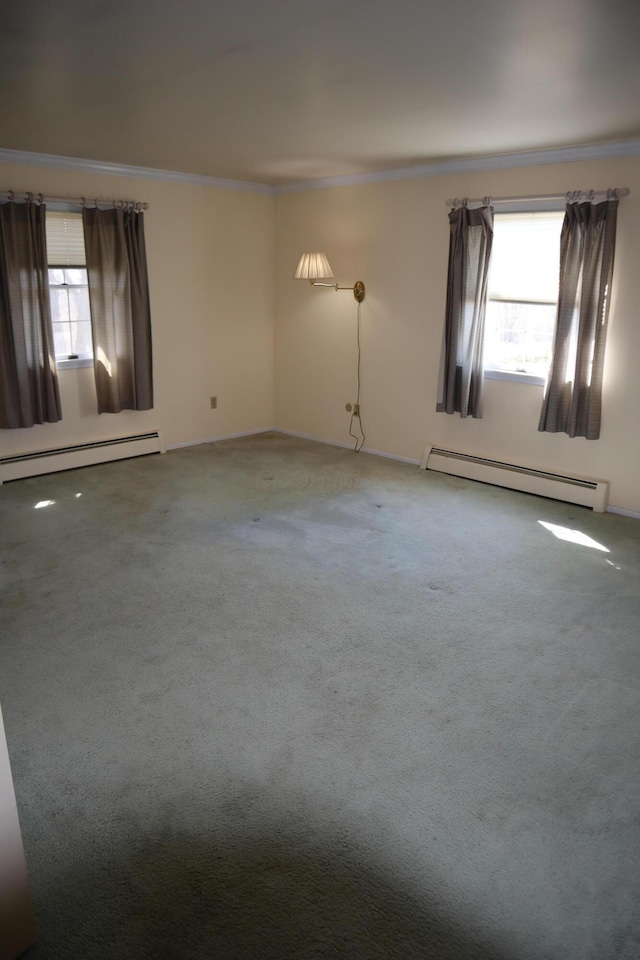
290	90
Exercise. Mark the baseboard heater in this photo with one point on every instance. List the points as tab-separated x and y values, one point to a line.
80	455
582	490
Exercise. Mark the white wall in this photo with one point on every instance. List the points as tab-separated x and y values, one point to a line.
394	236
210	261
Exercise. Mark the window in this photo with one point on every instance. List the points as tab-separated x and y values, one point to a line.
68	287
523	293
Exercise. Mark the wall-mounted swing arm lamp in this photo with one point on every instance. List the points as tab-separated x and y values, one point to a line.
315	268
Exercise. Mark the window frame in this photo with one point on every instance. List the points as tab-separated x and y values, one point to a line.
68	363
539	206
73	363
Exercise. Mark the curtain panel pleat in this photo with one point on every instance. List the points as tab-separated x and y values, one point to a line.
572	401
120	310
29	392
461	365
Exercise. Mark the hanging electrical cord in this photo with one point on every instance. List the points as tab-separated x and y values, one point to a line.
359	442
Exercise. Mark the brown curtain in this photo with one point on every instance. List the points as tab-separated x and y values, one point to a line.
28	377
573	395
120	312
461	365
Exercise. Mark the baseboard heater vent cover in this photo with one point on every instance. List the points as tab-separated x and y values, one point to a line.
81	455
582	490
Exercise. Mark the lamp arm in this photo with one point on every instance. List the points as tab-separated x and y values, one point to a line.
357	289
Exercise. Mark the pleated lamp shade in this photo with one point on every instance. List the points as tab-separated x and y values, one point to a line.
313	266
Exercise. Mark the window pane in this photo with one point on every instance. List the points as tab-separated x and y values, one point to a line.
75	276
70	312
519	336
81	339
79	304
62	339
59	304
525	266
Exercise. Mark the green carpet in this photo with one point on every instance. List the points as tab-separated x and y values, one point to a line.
271	699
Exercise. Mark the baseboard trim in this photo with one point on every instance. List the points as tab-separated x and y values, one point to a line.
224	436
621	511
345	446
390	456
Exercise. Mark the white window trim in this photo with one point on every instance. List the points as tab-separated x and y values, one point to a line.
73	364
534	206
491	373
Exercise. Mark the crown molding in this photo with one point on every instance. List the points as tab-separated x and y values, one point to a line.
531	158
124	170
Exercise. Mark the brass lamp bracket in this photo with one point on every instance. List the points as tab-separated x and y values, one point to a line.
357	288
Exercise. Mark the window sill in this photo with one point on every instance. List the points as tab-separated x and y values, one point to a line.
515	377
74	364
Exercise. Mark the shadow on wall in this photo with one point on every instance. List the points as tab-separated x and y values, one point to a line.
262	898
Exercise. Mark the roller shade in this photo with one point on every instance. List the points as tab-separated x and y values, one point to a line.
65	239
525	257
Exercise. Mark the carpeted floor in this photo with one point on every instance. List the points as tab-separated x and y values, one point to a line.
269	699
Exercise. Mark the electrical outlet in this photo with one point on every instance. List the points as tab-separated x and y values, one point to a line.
348	407
214	403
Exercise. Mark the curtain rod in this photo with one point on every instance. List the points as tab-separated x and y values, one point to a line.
7	195
571	197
